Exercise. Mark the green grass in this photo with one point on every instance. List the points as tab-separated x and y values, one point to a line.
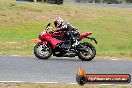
69	0
23	21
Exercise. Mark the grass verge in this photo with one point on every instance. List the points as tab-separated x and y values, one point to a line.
26	85
20	22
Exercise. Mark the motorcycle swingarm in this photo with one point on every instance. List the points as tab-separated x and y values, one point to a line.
81	48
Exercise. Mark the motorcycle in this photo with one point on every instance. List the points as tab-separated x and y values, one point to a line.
53	42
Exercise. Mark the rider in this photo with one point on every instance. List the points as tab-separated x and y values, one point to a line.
71	31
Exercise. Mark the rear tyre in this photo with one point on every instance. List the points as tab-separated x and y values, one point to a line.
42	51
89	54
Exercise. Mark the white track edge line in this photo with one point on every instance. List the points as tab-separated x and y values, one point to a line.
16	55
62	83
114	59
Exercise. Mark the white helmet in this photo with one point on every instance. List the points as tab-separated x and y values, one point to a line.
58	22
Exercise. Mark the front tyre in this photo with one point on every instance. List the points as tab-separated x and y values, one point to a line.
88	53
42	51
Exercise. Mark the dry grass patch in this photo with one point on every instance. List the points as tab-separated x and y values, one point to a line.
26	85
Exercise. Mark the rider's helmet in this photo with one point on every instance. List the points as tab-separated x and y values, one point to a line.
58	22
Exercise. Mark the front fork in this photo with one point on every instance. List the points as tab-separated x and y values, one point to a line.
44	46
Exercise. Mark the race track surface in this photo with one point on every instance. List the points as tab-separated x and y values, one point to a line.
101	5
63	70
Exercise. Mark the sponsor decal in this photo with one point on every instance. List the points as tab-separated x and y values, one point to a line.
83	78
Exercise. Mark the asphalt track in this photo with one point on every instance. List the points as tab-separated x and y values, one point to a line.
100	5
63	70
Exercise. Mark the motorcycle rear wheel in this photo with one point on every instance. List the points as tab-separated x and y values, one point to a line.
42	52
87	56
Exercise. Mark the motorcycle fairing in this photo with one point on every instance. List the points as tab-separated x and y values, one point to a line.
57	33
84	35
53	41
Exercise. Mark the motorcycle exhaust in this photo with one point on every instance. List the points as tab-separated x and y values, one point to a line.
70	55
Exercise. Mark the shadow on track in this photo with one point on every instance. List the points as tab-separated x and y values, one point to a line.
74	59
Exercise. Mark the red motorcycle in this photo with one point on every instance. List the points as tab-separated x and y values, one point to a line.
56	43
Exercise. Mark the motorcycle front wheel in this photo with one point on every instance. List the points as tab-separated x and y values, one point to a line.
88	54
42	51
